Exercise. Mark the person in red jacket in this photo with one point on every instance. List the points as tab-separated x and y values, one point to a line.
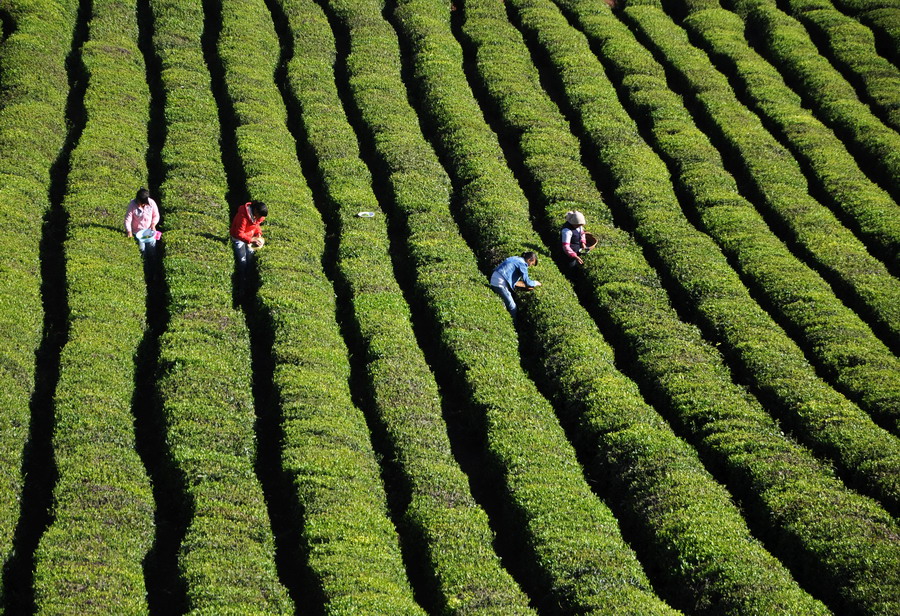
246	236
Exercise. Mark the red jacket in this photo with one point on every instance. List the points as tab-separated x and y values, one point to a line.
243	226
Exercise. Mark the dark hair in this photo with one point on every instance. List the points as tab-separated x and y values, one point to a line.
259	209
142	196
529	255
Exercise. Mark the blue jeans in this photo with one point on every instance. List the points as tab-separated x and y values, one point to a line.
502	288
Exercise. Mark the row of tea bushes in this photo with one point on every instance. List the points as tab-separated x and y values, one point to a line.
91	555
352	547
577	558
693	536
786	43
777	366
864	207
452	532
227	557
779	185
883	20
781	484
851	48
32	132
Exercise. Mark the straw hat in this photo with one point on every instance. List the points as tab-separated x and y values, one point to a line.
575	218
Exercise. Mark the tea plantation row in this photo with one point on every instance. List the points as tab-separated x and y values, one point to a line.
702	419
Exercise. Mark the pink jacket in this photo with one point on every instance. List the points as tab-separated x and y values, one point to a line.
138	218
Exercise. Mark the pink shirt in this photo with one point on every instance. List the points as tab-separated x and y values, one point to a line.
140	217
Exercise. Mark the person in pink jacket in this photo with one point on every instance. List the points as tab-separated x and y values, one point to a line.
142	213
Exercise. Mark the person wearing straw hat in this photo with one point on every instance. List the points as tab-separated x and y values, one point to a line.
141	219
512	273
574	240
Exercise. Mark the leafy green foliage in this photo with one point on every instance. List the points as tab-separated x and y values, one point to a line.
102	503
687	375
788	46
353	550
452	529
851	48
867	209
32	131
204	381
578	554
621	433
777	366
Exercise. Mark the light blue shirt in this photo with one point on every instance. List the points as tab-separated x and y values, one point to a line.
514	269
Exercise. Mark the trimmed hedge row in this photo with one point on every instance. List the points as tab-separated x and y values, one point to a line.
787	44
696	539
352	546
823	418
883	17
32	132
452	530
783	487
779	182
885	24
92	553
578	559
869	210
833	334
227	557
851	47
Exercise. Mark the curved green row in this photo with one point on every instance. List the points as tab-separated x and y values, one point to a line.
781	484
692	536
451	530
227	557
830	332
783	192
883	17
352	546
33	91
787	44
91	555
865	207
577	559
851	48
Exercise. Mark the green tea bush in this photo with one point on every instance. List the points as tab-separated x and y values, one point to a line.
776	479
353	550
33	90
777	366
864	206
577	556
452	530
91	555
883	17
851	48
227	557
703	564
780	184
885	24
786	43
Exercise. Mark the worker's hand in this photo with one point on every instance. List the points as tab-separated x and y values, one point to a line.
536	284
129	234
580	260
